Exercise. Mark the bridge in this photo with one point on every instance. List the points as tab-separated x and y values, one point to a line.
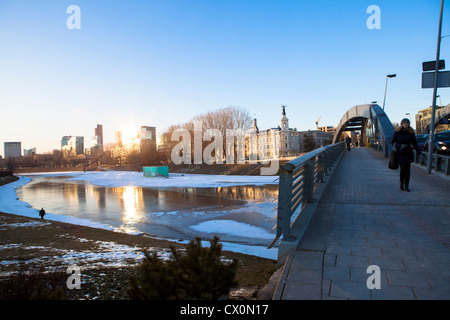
345	230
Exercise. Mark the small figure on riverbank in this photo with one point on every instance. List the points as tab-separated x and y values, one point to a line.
42	213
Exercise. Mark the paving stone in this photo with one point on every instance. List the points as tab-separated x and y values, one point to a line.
381	243
350	290
336	273
408	279
366	251
387	292
352	261
388	263
302	291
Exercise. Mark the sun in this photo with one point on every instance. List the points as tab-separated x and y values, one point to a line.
128	135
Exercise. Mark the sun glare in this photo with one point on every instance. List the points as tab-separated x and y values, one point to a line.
128	135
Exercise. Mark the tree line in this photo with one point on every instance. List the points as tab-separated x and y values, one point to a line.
231	117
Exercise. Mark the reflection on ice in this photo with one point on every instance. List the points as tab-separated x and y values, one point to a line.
240	214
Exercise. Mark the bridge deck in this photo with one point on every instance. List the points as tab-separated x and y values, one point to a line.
363	219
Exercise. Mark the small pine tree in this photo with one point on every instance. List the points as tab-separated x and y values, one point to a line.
197	273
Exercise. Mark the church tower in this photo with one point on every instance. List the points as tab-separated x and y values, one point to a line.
284	120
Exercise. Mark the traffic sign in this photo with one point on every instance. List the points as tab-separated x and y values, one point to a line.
428	79
431	65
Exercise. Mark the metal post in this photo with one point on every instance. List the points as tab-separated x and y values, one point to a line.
385	89
433	107
284	204
308	176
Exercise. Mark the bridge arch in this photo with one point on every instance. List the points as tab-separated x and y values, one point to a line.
372	123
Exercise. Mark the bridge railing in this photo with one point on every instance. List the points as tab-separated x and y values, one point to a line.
299	179
439	162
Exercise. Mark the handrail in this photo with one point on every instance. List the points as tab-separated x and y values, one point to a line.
439	162
299	179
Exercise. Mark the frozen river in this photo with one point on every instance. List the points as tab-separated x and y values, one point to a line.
239	209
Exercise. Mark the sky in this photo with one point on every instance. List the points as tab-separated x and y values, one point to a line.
162	62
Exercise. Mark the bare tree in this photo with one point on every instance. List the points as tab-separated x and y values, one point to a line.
231	117
222	119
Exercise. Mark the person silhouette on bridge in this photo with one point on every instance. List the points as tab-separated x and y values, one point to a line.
404	140
348	141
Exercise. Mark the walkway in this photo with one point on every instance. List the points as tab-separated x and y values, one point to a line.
364	219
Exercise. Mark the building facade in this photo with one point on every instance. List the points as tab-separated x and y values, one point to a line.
97	141
281	141
142	145
423	119
72	146
13	149
29	152
284	141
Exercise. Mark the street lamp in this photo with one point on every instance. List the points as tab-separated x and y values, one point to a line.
439	96
385	88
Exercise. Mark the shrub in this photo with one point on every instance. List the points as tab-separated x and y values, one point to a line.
197	273
34	285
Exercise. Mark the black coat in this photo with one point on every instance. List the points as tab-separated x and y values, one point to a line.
404	140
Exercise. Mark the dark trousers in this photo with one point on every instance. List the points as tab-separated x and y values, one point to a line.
405	173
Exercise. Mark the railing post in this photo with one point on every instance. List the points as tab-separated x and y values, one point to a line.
284	204
322	166
308	176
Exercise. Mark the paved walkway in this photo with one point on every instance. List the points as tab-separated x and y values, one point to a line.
364	219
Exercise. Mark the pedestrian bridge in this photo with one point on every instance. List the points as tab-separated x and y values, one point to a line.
358	217
373	124
341	212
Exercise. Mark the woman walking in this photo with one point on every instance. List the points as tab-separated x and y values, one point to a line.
404	140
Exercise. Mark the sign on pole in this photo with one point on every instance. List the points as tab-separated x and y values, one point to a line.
431	65
428	80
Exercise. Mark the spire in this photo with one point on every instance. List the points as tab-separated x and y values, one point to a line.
284	119
255	126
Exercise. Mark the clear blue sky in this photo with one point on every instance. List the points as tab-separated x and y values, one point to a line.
162	62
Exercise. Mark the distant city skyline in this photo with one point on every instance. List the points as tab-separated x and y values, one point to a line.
161	63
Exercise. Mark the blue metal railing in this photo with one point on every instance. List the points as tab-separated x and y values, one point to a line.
299	179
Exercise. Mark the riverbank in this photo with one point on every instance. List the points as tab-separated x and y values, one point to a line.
107	258
214	169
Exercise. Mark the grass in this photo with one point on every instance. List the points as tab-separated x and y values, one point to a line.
35	245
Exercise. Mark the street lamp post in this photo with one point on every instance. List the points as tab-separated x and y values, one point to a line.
385	87
433	107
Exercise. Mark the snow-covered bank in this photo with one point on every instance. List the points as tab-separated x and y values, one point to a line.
10	203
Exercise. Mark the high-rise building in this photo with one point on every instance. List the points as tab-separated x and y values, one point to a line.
97	140
99	135
13	149
72	146
29	152
119	138
65	141
147	138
